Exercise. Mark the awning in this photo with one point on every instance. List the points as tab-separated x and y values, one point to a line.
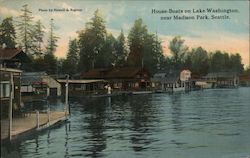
80	81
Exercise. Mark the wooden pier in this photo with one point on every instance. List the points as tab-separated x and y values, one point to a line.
31	123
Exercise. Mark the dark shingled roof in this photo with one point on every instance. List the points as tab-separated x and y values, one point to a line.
126	72
9	53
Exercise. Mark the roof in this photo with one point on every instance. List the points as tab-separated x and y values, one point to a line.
29	78
126	72
80	81
220	74
10	70
245	78
9	53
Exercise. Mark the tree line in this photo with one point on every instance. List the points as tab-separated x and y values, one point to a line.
94	48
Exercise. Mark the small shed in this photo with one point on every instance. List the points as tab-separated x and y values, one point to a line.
39	82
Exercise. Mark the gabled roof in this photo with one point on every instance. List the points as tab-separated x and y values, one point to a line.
220	74
125	72
30	78
9	53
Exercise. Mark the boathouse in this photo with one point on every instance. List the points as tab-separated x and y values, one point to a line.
222	79
83	86
39	83
122	79
172	82
244	80
13	58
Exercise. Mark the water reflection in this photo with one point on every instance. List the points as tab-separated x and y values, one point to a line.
188	125
176	107
143	121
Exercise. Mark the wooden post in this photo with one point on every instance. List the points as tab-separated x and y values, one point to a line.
11	104
37	119
67	96
48	114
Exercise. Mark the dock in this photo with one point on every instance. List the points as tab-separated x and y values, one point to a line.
31	123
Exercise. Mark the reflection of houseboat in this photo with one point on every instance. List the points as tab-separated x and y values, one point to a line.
122	79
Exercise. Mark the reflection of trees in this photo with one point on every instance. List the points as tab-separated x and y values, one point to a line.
96	126
143	121
176	112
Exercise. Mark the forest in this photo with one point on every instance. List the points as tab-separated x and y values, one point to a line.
95	47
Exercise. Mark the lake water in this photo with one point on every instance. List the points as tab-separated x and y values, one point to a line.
200	124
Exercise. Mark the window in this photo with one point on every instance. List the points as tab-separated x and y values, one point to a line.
5	89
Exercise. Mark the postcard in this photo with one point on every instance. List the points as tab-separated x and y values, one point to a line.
107	78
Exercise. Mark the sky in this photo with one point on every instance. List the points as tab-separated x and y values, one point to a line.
230	35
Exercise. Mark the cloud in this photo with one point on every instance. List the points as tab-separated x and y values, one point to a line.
8	11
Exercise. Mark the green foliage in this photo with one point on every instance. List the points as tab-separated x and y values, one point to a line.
50	63
199	61
51	48
145	48
25	30
38	35
178	51
69	66
136	39
121	51
91	43
7	33
106	58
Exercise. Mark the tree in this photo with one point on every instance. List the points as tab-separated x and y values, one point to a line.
152	54
25	29
70	64
7	33
199	61
178	51
136	38
235	63
38	34
91	42
121	51
145	48
106	58
219	62
51	48
49	58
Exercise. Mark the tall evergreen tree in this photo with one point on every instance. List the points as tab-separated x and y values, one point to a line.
25	30
145	48
91	42
49	57
51	48
70	64
121	51
7	33
136	41
106	58
38	35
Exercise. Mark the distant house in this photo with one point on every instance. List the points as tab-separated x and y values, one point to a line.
244	80
84	86
172	82
126	78
13	58
223	79
39	83
5	90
